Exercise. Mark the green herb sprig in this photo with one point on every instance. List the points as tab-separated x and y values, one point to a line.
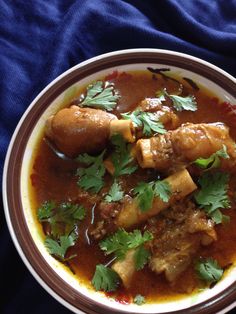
141	257
213	161
139	299
209	270
180	103
148	121
115	193
100	95
62	218
213	195
121	158
91	178
59	247
146	191
105	279
122	241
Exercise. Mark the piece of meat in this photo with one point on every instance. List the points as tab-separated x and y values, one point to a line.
163	113
179	147
151	104
78	130
173	250
109	210
178	235
195	220
200	140
173	264
108	213
181	184
99	231
126	268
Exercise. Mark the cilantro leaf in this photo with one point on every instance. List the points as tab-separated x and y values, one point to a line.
133	115
151	124
213	194
90	183
115	193
209	270
91	178
79	213
62	218
213	161
105	278
179	103
141	257
121	158
46	210
162	189
218	217
147	120
100	95
137	239
86	159
68	212
139	299
59	247
184	103
145	193
122	241
161	95
116	243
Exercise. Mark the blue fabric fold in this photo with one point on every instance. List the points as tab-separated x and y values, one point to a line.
40	39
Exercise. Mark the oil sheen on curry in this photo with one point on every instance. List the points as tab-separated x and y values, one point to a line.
134	185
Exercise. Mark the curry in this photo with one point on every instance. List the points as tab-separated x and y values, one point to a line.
134	188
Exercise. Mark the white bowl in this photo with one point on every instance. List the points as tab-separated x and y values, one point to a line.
51	274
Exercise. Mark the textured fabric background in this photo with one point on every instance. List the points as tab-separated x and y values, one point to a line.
40	39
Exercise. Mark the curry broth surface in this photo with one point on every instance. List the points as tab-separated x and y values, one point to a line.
54	179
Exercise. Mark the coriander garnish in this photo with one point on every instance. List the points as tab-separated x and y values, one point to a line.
213	195
100	95
139	299
59	247
148	121
145	193
115	193
141	257
62	218
180	103
209	270
91	178
105	278
122	241
121	158
213	161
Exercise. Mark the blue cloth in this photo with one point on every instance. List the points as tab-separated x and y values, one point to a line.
40	39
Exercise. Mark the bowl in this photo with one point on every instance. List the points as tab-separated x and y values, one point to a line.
51	274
